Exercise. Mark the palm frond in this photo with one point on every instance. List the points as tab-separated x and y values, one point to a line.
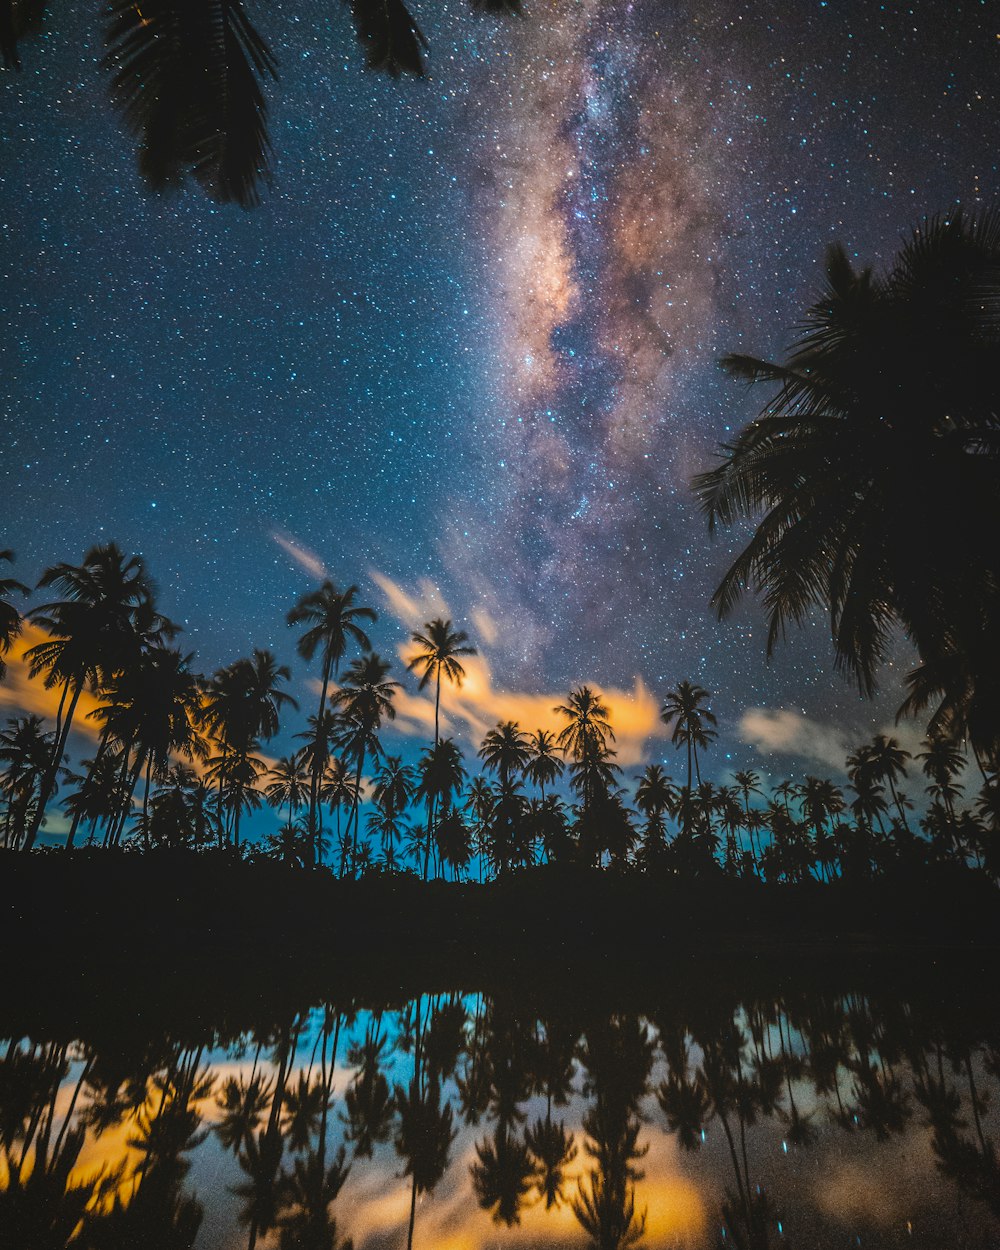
389	33
186	76
17	19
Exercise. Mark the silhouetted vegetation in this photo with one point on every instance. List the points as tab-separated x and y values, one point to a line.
177	763
877	468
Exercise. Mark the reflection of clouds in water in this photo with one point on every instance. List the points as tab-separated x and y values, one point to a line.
841	1186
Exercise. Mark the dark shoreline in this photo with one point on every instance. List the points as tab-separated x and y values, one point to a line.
101	941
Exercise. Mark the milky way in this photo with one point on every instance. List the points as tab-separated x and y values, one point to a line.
471	334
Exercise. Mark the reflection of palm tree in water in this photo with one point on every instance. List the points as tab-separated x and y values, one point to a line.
424	1132
617	1058
262	1154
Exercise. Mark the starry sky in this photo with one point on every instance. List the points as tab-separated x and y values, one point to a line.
465	351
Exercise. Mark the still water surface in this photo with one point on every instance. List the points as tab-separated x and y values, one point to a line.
462	1121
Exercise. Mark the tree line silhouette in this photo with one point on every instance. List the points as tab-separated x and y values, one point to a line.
562	1105
876	469
177	762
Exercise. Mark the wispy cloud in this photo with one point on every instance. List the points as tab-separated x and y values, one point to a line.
470	710
302	556
779	731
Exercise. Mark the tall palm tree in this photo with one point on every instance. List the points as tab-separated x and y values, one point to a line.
693	722
10	618
440	646
441	778
366	699
748	782
890	399
585	737
100	626
242	705
887	761
333	620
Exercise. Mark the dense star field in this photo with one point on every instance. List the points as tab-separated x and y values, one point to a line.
465	350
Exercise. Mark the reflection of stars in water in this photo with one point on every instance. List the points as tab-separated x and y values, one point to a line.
472	332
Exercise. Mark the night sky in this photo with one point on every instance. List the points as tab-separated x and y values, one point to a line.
469	339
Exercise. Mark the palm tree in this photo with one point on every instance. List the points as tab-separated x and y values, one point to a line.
544	765
748	782
889	399
242	704
337	789
654	796
10	618
693	722
441	778
25	752
585	737
943	762
394	786
333	619
502	1175
505	751
366	698
97	629
288	783
887	761
440	646
152	708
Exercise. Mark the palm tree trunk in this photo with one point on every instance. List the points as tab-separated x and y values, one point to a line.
48	780
145	802
95	764
315	779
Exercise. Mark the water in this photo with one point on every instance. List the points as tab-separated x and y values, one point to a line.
857	1115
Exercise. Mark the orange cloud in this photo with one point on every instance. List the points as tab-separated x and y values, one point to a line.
22	694
473	708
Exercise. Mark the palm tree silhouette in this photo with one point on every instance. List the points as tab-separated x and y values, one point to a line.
868	420
94	631
287	783
441	778
10	618
544	765
887	761
654	797
585	737
26	751
505	751
152	709
440	648
333	619
693	722
366	698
